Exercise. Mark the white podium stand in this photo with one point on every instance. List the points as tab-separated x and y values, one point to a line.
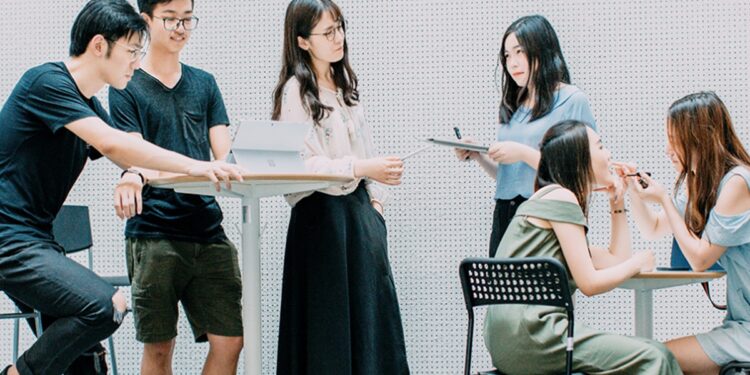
644	284
254	187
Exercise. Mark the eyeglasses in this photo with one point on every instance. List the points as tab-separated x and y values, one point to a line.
173	23
331	34
135	53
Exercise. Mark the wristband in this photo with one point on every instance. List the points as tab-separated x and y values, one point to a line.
621	211
134	171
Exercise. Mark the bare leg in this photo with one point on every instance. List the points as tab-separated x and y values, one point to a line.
691	357
223	355
157	358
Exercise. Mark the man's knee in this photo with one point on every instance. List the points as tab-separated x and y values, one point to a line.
158	352
231	346
106	310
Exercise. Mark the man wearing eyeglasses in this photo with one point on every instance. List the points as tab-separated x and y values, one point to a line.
176	248
49	125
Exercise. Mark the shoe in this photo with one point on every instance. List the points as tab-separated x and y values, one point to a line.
6	370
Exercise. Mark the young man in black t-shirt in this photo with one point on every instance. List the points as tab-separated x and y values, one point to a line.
176	248
49	126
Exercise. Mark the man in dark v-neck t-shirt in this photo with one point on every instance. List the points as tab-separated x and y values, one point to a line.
176	249
49	125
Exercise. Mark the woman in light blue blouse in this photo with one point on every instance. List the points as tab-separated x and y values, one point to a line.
710	222
536	95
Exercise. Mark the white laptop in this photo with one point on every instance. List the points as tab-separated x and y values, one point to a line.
270	147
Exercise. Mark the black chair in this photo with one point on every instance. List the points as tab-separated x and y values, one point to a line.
16	327
72	230
736	368
527	281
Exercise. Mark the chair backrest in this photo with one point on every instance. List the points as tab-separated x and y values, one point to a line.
72	228
527	281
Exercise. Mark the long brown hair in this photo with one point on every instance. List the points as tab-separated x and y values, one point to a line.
301	18
702	135
566	160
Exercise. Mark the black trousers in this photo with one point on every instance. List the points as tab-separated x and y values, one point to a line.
76	304
505	209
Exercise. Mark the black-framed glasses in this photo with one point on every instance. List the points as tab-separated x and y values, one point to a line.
331	34
135	53
173	23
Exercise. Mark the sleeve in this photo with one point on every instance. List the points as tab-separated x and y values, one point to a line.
314	153
729	231
55	100
374	189
124	111
581	110
217	112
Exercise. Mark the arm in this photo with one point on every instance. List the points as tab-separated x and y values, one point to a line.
220	141
128	150
651	224
619	249
590	280
699	252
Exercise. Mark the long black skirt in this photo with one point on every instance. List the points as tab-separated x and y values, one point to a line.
339	311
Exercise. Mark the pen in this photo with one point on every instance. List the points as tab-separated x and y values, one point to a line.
415	152
644	184
458	135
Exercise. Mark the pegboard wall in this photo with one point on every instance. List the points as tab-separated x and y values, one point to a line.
424	67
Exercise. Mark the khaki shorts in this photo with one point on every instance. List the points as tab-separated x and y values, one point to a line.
204	277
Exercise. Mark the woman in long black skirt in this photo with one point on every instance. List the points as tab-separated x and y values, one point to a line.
339	311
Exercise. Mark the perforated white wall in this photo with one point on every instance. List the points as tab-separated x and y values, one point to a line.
424	67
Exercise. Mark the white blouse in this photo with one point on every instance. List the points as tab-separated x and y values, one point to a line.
332	146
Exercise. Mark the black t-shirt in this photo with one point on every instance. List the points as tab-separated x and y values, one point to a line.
40	159
176	119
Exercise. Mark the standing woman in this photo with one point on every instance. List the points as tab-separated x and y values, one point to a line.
710	222
339	311
536	95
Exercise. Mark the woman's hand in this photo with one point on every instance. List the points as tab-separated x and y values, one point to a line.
644	260
464	154
387	170
506	152
653	192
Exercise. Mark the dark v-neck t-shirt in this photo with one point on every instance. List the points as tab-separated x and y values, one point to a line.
177	119
40	159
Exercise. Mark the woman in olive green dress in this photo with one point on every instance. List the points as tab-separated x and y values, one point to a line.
525	339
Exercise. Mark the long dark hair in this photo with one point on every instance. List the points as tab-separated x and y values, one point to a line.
546	64
701	131
566	160
301	18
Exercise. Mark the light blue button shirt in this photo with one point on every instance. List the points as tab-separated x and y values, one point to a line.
570	103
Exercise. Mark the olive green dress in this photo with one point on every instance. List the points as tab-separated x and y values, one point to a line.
526	339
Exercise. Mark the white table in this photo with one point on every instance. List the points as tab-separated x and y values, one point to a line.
644	283
254	187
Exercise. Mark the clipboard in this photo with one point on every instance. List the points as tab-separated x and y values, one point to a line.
466	146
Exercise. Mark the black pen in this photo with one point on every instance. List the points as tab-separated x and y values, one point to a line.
458	135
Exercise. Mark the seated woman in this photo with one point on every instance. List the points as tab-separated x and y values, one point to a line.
525	339
710	222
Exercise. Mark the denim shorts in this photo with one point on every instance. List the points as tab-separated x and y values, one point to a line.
205	278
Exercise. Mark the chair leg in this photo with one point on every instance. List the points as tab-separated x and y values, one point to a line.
112	357
469	339
16	333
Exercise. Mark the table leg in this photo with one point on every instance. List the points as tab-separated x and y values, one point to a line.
644	313
251	284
